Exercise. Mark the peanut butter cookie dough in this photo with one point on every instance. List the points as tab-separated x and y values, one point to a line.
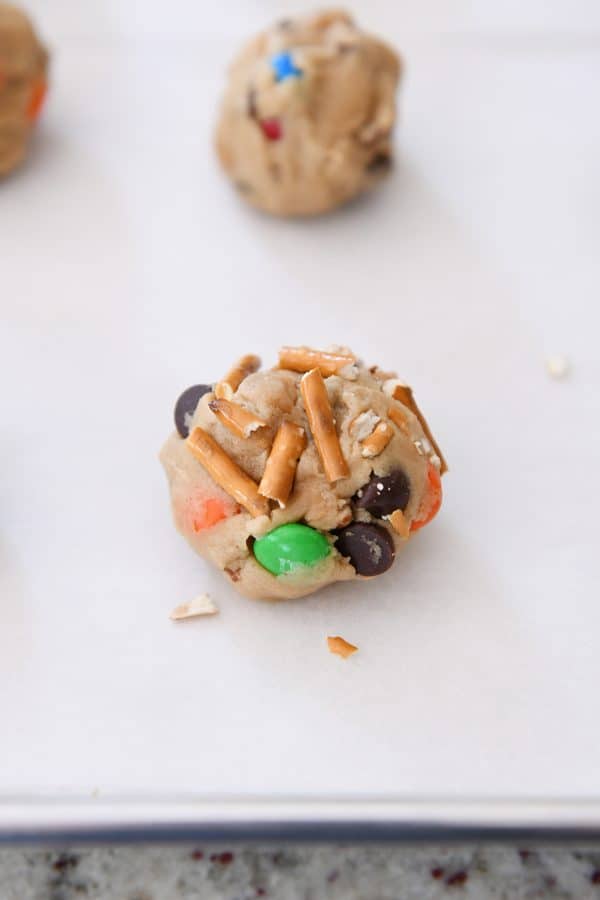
312	472
23	72
307	117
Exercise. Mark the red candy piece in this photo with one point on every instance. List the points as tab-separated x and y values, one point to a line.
272	130
36	100
432	500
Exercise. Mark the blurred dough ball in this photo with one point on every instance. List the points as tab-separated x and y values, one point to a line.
307	117
23	72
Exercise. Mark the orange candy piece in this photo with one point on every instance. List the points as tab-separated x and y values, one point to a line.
210	512
198	511
213	511
36	100
432	500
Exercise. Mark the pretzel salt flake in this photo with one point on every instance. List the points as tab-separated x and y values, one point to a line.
322	425
341	647
303	359
280	468
226	473
404	394
247	365
238	420
377	441
399	523
398	418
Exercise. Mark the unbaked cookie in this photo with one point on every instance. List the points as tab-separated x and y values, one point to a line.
23	73
312	472
307	117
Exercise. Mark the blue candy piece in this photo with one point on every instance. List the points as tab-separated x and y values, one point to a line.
284	67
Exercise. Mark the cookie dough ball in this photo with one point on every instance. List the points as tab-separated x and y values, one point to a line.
289	479
23	70
306	120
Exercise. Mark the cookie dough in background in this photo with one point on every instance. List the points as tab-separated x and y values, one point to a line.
316	471
307	117
23	81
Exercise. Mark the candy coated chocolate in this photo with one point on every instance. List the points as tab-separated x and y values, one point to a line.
284	66
289	547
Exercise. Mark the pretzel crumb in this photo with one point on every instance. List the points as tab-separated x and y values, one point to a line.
280	468
397	390
247	365
303	359
236	418
322	424
226	472
341	647
377	441
399	523
199	606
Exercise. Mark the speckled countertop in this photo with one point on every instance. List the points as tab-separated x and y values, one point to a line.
310	873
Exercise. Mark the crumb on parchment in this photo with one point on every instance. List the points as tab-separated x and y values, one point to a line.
201	605
558	366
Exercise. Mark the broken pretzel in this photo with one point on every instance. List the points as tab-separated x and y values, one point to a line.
377	441
247	365
234	417
404	394
303	359
322	424
226	473
341	647
398	418
280	468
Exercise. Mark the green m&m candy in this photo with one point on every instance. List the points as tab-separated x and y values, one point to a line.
290	547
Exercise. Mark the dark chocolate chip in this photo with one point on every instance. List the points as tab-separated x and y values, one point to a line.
370	547
384	493
243	187
285	24
381	162
186	407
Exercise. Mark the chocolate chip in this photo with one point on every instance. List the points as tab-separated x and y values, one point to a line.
186	407
379	163
384	494
285	24
370	547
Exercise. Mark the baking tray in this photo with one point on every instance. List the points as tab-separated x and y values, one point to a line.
129	270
